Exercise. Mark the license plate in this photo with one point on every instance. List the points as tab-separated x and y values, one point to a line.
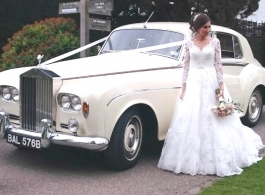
24	141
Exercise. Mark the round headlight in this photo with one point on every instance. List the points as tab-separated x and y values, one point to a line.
65	102
76	103
6	93
73	125
15	95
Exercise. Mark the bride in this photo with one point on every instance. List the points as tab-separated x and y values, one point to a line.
197	141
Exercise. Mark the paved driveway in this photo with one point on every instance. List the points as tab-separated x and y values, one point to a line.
28	172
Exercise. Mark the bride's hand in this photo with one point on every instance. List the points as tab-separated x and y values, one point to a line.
182	95
221	94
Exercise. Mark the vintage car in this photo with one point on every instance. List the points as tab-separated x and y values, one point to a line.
117	100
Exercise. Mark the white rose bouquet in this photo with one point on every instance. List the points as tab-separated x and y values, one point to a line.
225	108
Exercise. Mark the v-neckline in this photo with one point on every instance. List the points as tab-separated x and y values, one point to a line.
201	49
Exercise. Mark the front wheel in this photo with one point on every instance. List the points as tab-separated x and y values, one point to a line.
254	111
126	141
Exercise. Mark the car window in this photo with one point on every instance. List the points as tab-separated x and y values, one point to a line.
230	46
128	39
226	42
237	48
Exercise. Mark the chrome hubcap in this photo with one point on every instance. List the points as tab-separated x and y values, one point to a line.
255	106
133	137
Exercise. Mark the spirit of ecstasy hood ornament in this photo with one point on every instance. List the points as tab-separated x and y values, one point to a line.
39	57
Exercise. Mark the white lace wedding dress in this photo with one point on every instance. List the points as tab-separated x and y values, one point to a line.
197	141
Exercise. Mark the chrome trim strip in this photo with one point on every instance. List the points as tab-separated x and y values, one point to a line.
64	126
233	40
142	90
14	123
234	64
90	143
125	72
14	117
25	132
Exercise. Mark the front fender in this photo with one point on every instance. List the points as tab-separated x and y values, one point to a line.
161	101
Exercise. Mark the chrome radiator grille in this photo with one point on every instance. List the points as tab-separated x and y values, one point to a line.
36	97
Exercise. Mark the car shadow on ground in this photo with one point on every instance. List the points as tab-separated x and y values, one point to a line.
58	158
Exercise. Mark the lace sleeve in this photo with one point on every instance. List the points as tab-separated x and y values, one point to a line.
186	63
217	62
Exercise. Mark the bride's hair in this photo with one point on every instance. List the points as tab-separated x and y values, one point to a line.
197	21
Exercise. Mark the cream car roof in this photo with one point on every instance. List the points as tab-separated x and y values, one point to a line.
183	27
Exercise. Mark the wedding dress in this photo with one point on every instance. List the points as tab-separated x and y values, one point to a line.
198	142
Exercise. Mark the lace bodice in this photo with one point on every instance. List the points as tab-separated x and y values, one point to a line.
207	57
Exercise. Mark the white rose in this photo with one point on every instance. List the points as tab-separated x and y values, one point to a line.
222	106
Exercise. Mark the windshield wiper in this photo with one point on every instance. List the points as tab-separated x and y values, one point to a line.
158	54
107	51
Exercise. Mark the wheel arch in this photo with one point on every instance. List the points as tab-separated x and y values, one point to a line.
257	82
150	122
262	89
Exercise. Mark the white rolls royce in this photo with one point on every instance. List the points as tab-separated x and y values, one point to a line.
117	100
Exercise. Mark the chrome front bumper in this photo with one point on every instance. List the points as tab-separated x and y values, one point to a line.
48	136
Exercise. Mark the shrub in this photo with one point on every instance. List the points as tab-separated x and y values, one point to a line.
51	37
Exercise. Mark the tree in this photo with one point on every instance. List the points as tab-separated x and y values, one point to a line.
249	8
224	12
221	12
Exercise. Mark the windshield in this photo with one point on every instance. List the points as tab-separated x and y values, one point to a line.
140	38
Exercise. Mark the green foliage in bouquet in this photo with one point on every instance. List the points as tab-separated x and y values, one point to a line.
51	37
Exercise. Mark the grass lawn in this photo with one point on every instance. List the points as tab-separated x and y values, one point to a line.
250	182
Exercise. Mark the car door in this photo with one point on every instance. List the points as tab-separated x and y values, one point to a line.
233	63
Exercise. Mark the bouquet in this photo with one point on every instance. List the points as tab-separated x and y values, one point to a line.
225	108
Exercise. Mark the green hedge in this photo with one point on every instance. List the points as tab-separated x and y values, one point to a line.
51	37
